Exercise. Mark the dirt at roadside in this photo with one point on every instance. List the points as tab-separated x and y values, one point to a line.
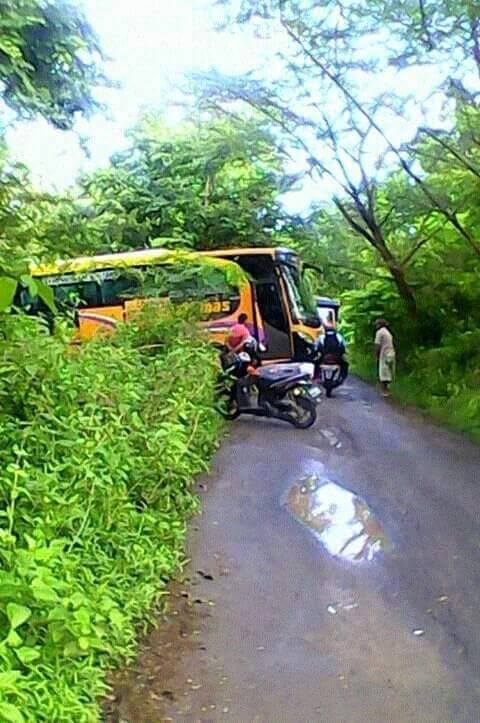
144	691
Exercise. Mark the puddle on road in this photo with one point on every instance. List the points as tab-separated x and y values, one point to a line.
340	520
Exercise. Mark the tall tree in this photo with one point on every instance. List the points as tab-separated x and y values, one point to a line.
206	185
332	103
50	60
50	66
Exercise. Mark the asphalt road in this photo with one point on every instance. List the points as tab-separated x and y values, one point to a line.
275	623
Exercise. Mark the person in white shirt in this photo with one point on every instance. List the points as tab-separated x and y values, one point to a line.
385	353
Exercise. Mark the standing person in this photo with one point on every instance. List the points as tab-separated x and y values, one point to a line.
385	353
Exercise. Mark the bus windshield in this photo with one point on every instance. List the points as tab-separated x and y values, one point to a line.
300	297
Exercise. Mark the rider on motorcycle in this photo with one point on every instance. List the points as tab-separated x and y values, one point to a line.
240	357
239	333
331	346
240	341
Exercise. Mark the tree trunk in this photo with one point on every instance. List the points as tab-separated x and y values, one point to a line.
374	235
398	275
405	291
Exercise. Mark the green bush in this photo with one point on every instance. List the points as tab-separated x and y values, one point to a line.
100	446
438	355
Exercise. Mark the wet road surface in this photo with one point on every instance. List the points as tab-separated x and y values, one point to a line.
334	576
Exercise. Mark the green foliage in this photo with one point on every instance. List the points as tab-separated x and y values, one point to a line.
438	352
49	66
100	445
186	267
441	32
438	356
49	60
205	186
33	225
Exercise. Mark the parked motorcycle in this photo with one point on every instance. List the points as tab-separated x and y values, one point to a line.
281	391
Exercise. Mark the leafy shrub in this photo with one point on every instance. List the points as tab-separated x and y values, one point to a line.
100	445
438	355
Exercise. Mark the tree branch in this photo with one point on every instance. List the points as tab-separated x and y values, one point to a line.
475	26
354	224
404	263
451	217
442	142
424	24
361	272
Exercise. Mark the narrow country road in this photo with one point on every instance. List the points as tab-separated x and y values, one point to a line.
278	622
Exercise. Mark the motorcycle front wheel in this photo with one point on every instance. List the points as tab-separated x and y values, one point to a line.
227	405
304	412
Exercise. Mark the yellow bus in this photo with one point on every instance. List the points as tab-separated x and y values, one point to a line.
281	309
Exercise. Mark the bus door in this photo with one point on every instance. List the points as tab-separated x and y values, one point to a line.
269	302
271	305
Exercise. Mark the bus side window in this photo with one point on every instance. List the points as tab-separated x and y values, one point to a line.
77	295
120	288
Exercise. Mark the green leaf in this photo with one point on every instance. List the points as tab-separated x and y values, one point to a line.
83	616
8	679
58	613
9	590
17	614
71	650
8	286
10	713
117	618
13	639
42	592
30	284
46	294
27	655
83	643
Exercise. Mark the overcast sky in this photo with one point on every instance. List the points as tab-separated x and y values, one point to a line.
153	45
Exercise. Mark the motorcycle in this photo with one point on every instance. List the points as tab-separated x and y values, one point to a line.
280	391
329	373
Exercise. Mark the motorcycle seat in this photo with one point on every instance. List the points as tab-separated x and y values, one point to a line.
276	372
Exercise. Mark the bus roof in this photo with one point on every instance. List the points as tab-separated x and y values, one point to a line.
326	301
143	257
